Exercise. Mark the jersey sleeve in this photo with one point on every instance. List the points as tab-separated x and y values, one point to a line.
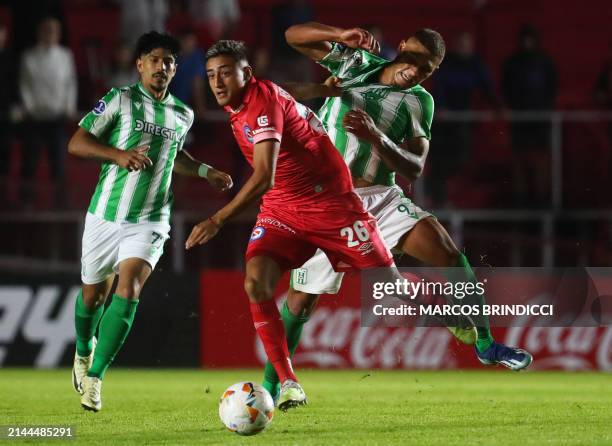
267	120
421	109
337	60
185	136
104	114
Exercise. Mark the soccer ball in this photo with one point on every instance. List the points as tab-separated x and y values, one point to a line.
246	408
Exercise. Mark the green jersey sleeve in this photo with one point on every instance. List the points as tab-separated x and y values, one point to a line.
191	117
104	114
350	63
336	60
421	106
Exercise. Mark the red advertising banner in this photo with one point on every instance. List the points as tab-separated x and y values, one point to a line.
333	338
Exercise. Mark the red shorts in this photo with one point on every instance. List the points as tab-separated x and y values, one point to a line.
349	238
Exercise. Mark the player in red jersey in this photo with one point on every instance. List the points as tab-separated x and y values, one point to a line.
308	198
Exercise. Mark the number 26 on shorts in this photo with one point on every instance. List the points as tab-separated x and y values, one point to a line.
358	229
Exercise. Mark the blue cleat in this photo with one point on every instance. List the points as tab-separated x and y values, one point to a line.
514	358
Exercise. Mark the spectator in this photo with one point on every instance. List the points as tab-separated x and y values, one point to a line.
141	16
48	88
462	77
26	16
121	72
530	84
188	84
219	17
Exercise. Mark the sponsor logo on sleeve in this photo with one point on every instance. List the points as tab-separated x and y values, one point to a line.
262	121
264	129
99	108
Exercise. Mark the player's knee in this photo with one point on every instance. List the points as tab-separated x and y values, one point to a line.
129	290
257	290
452	256
94	295
300	303
447	253
94	300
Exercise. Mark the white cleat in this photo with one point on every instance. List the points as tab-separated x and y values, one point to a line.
291	395
92	393
80	367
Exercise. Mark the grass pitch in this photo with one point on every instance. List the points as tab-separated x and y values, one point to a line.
174	407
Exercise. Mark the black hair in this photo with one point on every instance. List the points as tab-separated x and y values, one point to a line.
151	40
233	48
433	41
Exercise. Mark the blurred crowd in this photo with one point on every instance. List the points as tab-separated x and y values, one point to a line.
47	83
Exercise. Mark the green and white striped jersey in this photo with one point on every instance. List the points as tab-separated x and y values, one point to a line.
399	114
126	118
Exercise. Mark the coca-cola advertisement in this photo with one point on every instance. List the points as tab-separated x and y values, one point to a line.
334	336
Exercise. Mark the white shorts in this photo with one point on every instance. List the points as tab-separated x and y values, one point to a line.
106	244
395	214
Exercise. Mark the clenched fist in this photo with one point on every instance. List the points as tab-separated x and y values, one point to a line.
133	159
221	181
360	38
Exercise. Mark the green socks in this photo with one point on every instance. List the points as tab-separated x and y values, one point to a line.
294	325
485	339
85	322
293	332
114	328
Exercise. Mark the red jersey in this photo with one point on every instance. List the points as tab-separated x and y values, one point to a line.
310	172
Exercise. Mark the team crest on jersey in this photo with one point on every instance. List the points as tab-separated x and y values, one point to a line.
248	133
358	58
258	232
99	108
301	275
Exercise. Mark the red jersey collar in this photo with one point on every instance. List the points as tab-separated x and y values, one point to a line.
250	88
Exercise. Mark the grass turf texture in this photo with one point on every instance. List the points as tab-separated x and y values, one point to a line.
150	407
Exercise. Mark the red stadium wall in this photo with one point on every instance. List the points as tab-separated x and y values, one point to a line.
333	337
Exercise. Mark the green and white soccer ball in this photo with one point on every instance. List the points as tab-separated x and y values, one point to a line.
246	408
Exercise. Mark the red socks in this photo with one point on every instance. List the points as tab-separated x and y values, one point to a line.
271	331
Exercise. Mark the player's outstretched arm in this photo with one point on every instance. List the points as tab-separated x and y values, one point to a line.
265	154
303	91
407	159
185	164
85	145
313	39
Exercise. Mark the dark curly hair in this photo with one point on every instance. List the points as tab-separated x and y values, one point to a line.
234	48
153	39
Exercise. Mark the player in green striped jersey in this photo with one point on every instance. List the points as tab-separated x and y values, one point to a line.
381	123
138	133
